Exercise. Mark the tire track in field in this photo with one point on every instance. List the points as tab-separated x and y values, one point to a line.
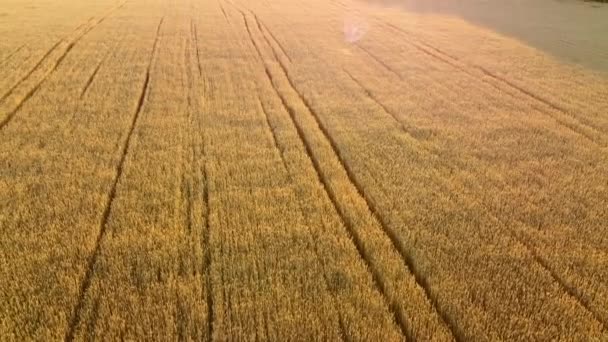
379	61
343	333
188	180
570	126
89	330
350	229
321	180
207	259
569	290
68	125
186	185
181	315
449	322
84	24
91	79
69	47
223	11
275	141
344	336
5	60
88	277
276	144
206	234
262	27
572	291
207	240
451	60
378	281
578	127
405	128
373	98
9	92
206	247
194	33
397	244
499	78
93	75
199	168
30	93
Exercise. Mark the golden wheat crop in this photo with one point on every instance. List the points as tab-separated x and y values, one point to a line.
294	171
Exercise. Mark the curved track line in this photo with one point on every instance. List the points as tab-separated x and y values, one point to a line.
262	25
224	11
206	233
399	319
194	34
9	92
570	290
276	144
275	140
379	61
88	277
343	334
91	79
5	60
397	244
33	91
207	258
377	102
508	84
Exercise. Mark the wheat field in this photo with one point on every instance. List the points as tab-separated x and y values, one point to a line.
288	170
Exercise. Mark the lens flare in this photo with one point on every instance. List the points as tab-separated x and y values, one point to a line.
355	28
